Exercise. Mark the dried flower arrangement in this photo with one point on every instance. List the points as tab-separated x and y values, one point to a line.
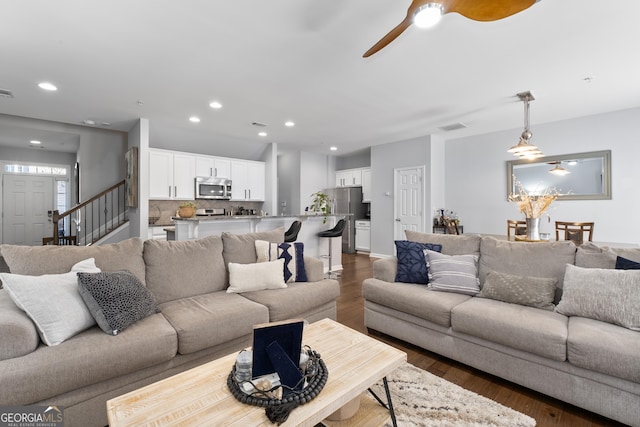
533	206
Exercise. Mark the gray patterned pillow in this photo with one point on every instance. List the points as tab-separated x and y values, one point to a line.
532	291
116	299
453	273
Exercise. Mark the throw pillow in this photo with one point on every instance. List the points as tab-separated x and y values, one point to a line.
412	266
255	277
52	301
453	273
532	291
292	254
116	299
602	294
626	264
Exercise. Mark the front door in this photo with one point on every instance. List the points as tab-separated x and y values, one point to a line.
409	196
26	201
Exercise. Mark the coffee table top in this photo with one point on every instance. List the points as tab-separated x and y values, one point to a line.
200	395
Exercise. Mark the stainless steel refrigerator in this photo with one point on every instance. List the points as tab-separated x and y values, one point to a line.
348	200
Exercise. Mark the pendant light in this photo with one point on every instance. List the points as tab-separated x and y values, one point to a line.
559	170
524	148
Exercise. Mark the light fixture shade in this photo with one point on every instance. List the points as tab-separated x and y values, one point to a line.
522	147
525	149
559	170
428	15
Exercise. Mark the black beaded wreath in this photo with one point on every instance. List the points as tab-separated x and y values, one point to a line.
278	410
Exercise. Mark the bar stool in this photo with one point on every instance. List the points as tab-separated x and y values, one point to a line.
292	233
333	232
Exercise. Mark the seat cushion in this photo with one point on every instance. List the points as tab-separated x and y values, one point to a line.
185	268
414	299
603	347
208	320
524	328
38	260
85	359
296	298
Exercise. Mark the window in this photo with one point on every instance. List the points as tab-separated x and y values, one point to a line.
36	169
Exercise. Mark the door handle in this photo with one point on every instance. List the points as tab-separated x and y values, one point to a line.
169	191
397	219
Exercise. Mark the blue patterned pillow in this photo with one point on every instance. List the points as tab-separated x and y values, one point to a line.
412	266
626	264
293	255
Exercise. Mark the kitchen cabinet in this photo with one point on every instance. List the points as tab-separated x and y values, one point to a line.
349	178
213	166
247	180
171	175
363	235
366	185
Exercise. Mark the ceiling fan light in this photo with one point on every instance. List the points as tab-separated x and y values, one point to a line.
427	15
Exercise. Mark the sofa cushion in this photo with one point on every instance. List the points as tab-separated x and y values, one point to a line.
52	301
602	294
37	260
525	258
412	265
413	299
254	277
453	273
18	334
116	299
590	255
241	248
524	328
451	244
296	298
185	268
532	291
86	359
205	321
603	347
292	254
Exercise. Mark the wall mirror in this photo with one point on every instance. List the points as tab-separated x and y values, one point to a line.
580	176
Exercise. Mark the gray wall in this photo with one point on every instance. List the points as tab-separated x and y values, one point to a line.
359	159
38	156
288	182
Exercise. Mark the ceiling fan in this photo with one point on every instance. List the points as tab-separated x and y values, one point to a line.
425	13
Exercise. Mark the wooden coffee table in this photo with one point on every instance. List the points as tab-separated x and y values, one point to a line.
200	395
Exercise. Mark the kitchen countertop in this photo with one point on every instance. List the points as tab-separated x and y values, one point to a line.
236	217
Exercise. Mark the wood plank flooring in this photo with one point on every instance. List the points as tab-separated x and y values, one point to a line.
547	412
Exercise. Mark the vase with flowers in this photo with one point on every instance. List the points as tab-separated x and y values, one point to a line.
533	206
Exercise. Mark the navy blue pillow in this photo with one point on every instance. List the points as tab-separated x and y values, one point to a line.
412	266
626	264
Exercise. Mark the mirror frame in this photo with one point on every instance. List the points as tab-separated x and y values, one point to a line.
605	155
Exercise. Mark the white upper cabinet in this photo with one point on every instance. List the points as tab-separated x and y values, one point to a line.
213	166
366	185
171	175
349	178
247	180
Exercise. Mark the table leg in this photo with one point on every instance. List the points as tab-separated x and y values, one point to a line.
389	404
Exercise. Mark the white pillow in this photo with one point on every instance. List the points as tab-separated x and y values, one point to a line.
52	301
255	277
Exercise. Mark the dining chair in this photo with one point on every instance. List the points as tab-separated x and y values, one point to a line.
574	231
519	228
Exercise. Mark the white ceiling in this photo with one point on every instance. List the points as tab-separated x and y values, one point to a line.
301	60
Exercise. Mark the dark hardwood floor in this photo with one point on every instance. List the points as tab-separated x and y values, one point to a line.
545	410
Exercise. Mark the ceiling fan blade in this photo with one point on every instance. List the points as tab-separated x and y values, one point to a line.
399	29
486	10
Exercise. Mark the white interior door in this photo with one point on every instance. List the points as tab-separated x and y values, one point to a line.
409	200
26	201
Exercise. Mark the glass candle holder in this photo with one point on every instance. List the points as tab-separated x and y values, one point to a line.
244	365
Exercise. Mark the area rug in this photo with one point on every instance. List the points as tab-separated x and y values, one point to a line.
423	399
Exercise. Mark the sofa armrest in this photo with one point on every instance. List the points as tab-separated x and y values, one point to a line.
385	269
314	268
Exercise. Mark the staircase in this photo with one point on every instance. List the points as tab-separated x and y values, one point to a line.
92	220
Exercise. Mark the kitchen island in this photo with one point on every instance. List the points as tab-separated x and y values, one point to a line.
202	226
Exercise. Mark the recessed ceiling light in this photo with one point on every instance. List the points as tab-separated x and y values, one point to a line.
262	133
194	119
34	142
47	86
333	148
89	122
215	104
289	124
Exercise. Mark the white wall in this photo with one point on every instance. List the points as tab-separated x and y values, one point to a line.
288	182
314	177
476	177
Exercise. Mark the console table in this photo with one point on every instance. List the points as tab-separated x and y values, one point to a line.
442	229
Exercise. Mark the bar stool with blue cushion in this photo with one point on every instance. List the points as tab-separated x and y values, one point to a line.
333	232
292	233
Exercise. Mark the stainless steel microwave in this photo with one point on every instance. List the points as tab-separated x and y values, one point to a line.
208	187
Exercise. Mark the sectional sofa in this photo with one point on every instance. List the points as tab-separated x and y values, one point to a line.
198	320
523	326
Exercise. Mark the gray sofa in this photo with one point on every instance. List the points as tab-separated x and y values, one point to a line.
589	363
199	321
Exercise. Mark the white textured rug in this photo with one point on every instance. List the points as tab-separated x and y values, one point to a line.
423	399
